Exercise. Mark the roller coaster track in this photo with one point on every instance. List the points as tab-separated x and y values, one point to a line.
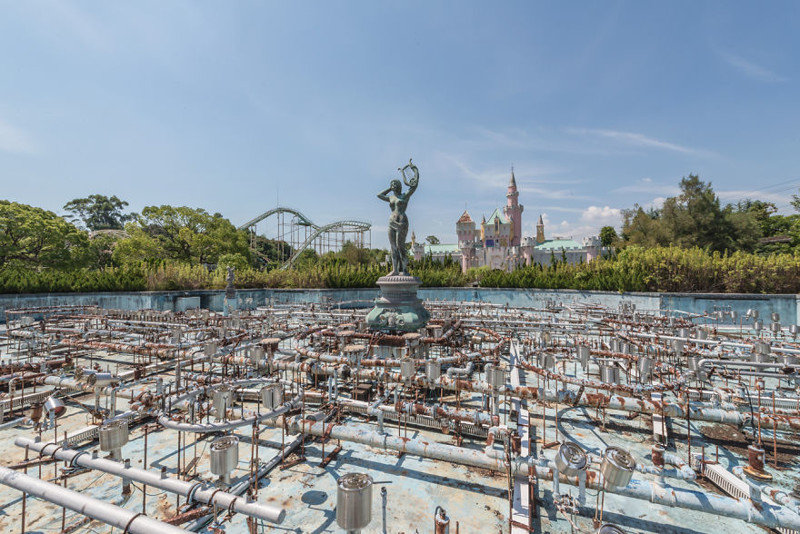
349	225
303	220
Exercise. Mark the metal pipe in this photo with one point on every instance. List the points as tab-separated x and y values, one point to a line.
461	371
243	485
219	426
192	490
708	362
110	514
13	423
778	495
698	411
764	515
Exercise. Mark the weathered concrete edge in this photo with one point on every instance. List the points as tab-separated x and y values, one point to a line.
785	304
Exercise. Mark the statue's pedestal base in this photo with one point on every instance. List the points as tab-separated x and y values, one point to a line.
231	302
398	307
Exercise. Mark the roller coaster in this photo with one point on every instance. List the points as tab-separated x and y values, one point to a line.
300	233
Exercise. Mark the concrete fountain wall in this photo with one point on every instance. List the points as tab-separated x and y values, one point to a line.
786	305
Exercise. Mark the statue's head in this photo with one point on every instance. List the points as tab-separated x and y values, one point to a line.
396	186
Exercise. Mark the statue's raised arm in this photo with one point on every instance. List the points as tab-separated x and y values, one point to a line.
412	182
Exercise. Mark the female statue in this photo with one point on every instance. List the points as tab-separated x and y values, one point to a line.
398	221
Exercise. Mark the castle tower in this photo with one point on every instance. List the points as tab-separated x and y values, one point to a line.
417	249
540	231
465	229
513	211
592	247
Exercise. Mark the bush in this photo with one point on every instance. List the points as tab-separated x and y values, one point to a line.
669	269
130	278
659	269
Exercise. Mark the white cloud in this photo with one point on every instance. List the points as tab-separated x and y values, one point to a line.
560	208
601	216
549	193
497	177
531	179
543	139
568	230
634	139
588	224
14	140
750	69
492	178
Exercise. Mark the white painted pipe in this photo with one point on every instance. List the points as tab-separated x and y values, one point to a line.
110	514
243	485
72	384
194	491
222	426
14	423
764	515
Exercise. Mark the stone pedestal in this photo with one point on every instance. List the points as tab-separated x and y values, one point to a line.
231	301
398	308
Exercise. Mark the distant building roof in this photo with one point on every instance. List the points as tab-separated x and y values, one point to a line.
465	218
496	214
441	249
558	244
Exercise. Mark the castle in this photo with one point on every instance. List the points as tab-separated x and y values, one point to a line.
498	242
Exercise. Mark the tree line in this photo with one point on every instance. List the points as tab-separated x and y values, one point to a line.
697	218
99	246
691	243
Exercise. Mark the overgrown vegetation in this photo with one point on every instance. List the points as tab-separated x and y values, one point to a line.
670	269
691	244
663	269
696	218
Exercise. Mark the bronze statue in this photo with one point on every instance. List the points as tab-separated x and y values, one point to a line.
398	220
398	309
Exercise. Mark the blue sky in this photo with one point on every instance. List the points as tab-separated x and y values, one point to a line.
238	106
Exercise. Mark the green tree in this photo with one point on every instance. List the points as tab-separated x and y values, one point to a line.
607	236
694	218
795	202
432	240
271	250
745	230
34	238
354	255
644	228
306	259
237	261
99	212
761	212
182	234
101	248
